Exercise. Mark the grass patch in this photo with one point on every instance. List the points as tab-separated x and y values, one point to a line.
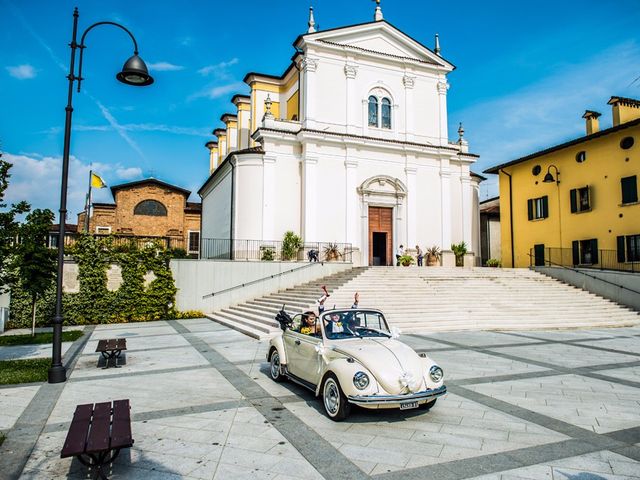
24	371
44	337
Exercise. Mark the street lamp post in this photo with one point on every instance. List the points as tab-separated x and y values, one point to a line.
134	72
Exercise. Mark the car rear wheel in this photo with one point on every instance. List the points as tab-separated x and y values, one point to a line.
428	406
335	402
274	367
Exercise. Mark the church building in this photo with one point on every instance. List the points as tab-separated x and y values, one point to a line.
349	145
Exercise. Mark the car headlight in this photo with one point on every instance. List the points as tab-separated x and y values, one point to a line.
361	380
436	373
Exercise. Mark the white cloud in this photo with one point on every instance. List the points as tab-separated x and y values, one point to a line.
549	111
135	127
219	70
164	67
37	180
218	91
129	173
22	72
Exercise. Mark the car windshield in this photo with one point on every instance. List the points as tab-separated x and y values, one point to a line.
340	324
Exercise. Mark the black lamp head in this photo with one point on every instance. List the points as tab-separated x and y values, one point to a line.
135	72
548	178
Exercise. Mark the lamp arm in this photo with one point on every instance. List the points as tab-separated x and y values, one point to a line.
82	46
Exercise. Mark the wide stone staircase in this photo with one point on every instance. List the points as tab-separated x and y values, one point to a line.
441	299
256	318
446	299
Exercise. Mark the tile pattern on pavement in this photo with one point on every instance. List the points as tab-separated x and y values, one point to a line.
525	405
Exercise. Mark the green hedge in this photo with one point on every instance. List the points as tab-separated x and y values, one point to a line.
94	304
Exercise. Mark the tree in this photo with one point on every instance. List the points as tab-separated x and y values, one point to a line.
8	224
33	262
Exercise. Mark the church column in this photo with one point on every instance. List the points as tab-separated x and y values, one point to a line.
350	72
467	217
309	67
408	83
310	220
412	207
268	197
351	202
443	86
448	258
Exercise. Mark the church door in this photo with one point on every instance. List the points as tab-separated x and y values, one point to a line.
380	236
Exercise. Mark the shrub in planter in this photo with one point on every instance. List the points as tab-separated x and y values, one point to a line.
492	262
268	254
406	260
331	252
291	245
433	256
459	250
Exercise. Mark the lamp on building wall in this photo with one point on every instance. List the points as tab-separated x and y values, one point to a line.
548	178
134	72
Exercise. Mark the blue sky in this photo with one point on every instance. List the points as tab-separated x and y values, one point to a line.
526	71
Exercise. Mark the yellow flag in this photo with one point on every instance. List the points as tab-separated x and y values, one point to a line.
97	182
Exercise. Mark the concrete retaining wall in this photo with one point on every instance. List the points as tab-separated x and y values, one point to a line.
196	278
600	285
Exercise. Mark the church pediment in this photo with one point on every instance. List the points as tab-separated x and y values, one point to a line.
378	38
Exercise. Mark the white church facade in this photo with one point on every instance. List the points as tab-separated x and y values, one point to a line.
349	145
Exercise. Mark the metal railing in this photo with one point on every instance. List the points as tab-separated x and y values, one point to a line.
271	250
597	260
124	240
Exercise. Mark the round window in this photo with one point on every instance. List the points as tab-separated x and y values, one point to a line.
626	143
536	170
581	156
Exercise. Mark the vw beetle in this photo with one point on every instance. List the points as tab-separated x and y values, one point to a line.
352	357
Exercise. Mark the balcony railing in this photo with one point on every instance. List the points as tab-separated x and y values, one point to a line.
171	243
263	250
565	257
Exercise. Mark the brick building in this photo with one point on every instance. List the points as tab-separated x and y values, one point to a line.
148	208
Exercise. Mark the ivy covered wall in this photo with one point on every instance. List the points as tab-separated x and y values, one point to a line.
94	303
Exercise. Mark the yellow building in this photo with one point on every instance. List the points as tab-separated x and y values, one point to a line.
576	203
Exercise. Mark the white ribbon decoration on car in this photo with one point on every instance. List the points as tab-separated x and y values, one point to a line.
409	382
395	332
322	351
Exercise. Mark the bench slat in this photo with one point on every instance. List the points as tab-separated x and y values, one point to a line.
99	434
77	436
122	344
121	425
102	346
112	344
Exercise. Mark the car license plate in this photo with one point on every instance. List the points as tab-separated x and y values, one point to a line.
408	405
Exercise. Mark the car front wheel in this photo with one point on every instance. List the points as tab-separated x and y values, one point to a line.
274	367
334	401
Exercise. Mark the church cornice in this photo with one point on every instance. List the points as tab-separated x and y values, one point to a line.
374	53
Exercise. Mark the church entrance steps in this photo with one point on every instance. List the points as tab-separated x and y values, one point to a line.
256	318
432	299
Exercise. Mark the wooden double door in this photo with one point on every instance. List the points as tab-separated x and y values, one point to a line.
381	236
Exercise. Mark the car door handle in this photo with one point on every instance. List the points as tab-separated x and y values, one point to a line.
297	342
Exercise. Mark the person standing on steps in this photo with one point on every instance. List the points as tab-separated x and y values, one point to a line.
419	255
399	253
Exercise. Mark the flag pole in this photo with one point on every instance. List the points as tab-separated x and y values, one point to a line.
87	207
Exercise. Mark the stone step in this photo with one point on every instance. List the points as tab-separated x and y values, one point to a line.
242	328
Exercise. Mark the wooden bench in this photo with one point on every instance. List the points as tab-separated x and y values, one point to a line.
97	433
111	350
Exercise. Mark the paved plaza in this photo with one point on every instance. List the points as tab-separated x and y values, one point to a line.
528	405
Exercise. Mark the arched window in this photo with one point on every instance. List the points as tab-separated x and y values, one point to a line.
373	111
150	207
386	113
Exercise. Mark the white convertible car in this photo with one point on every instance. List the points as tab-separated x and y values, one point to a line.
350	357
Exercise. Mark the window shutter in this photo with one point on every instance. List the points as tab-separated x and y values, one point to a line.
576	252
594	251
629	189
530	208
545	206
589	197
620	241
573	194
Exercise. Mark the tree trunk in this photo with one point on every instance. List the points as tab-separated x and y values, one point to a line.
33	316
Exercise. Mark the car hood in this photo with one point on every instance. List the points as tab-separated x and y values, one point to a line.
396	366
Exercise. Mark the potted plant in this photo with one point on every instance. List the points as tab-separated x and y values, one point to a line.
492	262
291	245
433	256
267	254
406	260
331	252
459	250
